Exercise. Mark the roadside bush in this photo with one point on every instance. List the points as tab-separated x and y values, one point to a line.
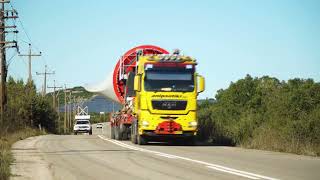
265	113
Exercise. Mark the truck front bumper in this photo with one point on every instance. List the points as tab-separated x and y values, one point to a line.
183	134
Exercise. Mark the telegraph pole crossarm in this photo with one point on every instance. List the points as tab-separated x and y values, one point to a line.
54	87
30	55
45	73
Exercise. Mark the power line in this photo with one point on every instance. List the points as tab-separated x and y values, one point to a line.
11	58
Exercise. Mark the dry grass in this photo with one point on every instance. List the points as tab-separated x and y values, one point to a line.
268	139
5	145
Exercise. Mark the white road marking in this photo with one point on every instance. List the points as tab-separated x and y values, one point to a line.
166	155
232	172
208	165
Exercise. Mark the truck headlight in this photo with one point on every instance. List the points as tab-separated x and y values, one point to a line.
145	123
193	124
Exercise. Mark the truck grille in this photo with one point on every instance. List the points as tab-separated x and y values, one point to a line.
169	105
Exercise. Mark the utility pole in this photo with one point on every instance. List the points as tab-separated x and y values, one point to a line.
45	73
65	110
30	55
4	15
54	87
70	109
58	109
54	97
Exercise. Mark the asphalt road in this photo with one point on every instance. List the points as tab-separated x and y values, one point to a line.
96	157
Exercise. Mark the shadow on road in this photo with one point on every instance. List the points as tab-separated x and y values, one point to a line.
182	143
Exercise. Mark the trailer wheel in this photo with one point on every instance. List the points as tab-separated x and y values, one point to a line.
141	140
123	132
112	133
117	133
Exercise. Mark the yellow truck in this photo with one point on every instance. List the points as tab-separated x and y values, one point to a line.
159	93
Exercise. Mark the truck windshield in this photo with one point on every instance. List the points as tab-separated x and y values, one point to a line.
169	79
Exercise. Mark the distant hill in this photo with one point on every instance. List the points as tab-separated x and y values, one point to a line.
77	92
96	103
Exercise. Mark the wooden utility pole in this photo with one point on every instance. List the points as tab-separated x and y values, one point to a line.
3	62
4	15
45	73
70	109
58	109
54	98
54	87
65	110
30	55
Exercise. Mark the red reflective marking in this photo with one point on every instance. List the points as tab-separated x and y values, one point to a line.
168	127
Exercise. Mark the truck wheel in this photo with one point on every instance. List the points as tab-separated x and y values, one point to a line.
141	140
133	137
133	133
117	133
112	132
90	132
191	141
75	133
124	132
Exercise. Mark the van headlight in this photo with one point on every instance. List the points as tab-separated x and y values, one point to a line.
145	123
193	124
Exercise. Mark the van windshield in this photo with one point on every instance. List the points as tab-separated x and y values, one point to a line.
83	122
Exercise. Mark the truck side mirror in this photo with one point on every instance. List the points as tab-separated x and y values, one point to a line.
201	84
137	83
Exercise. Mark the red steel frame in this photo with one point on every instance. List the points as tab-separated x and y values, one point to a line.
130	57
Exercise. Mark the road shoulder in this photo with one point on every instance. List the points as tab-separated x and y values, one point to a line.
28	161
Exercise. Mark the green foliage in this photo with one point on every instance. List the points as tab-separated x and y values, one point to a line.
26	108
265	113
97	117
25	111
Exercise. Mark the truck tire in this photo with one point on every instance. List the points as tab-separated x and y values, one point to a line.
133	133
191	141
112	135
134	139
123	132
75	133
141	140
90	132
117	133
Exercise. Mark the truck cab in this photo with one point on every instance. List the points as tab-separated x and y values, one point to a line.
165	104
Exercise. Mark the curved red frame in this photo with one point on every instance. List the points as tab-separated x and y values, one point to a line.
130	56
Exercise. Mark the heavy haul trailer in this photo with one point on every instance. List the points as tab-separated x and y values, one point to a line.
159	93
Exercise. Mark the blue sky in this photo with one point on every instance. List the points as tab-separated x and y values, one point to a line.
82	40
